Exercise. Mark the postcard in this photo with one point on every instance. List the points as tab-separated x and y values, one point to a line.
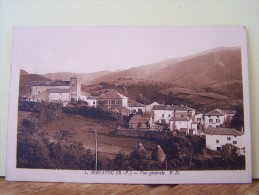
129	104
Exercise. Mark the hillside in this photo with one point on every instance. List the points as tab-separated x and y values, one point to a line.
207	80
195	71
210	68
85	77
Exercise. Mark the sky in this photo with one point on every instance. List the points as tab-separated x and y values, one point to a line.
88	49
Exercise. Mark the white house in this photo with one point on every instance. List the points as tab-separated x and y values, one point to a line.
185	125
91	100
216	138
214	118
163	113
136	107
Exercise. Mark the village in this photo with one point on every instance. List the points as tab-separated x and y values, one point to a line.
179	120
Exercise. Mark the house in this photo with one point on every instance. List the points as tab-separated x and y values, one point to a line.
57	91
214	118
140	121
216	138
136	107
149	108
91	100
199	119
113	101
183	125
163	113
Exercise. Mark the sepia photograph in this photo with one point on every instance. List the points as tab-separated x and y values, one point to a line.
129	103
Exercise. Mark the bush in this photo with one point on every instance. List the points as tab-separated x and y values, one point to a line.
36	151
91	112
32	152
29	124
138	160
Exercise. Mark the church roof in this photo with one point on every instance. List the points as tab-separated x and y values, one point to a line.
51	83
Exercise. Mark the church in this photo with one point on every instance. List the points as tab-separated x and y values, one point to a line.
56	91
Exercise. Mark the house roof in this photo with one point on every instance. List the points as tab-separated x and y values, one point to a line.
150	106
133	103
57	90
112	95
139	118
215	112
172	107
222	131
51	83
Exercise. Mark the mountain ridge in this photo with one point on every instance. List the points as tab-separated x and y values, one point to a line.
197	70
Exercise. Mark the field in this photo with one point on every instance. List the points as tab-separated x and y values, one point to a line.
82	129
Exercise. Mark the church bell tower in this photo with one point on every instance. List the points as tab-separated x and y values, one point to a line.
75	88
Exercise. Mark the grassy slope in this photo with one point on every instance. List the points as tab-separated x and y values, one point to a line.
83	129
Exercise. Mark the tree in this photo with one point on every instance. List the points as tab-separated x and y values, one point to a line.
238	119
138	160
121	161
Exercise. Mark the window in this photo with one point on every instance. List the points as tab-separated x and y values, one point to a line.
228	138
217	141
234	142
93	102
163	115
210	120
217	120
169	115
39	92
140	111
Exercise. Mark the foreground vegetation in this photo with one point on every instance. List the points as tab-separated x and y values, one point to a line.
47	139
